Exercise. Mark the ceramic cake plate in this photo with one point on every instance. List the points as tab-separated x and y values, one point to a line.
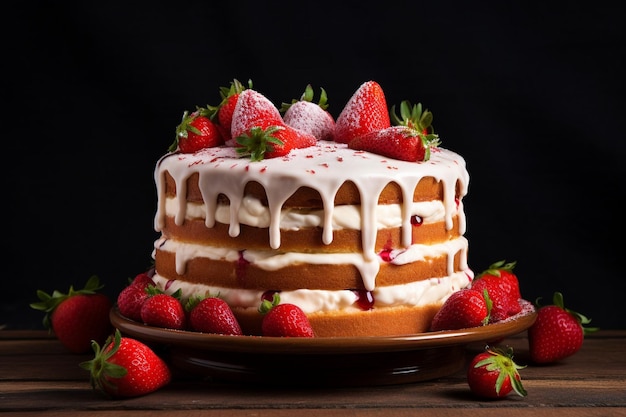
332	361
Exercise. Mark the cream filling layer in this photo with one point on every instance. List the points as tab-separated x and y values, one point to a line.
420	293
273	260
253	213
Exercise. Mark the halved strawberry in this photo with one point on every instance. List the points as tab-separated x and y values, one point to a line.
366	111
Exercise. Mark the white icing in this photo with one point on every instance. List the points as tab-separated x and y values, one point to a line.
323	167
275	260
252	212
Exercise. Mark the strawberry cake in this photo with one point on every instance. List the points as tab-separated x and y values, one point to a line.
363	237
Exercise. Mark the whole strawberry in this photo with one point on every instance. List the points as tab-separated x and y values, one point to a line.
272	142
503	288
284	320
465	308
125	367
310	117
212	315
223	112
132	297
163	310
78	317
196	131
494	374
398	142
366	111
557	333
253	109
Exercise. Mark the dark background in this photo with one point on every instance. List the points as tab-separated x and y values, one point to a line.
531	95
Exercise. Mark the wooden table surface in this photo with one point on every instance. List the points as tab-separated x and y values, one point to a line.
38	376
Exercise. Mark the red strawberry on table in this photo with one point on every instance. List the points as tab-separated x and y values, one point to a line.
196	131
78	317
366	111
463	309
310	117
212	315
503	288
125	367
494	374
557	333
284	320
398	142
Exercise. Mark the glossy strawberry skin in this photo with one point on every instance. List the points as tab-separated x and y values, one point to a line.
80	319
207	135
555	335
225	116
398	142
163	310
366	111
214	315
286	320
502	286
483	378
126	368
463	309
130	300
146	371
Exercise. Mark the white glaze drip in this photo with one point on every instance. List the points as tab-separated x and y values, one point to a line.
324	167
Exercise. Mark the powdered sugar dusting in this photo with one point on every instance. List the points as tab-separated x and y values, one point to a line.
310	118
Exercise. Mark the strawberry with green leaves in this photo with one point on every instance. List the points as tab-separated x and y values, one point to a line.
493	374
413	117
125	368
366	111
314	118
259	129
465	308
223	113
196	131
284	320
78	316
502	285
272	142
397	142
557	333
212	315
409	139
